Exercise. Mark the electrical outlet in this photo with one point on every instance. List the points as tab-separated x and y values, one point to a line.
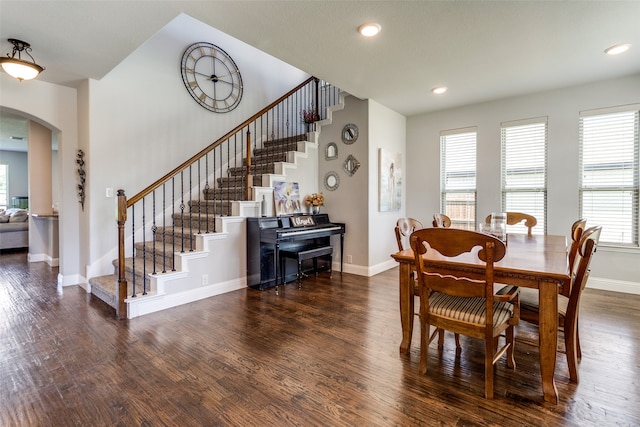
205	279
349	259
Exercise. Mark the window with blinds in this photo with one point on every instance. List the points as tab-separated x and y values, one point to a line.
609	172
458	177
524	171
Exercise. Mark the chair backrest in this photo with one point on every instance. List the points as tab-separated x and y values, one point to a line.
577	229
576	233
441	220
449	243
586	248
514	218
404	228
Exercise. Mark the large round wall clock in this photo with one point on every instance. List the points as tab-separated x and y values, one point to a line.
211	77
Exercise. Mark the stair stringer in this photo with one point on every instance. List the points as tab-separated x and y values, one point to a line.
202	273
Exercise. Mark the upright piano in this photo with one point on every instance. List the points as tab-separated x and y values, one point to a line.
266	236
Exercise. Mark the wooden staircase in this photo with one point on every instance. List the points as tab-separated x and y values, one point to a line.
157	255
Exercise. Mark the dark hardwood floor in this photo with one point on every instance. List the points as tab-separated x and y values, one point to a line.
325	355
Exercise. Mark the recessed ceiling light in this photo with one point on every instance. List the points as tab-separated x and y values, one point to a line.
438	90
617	49
369	30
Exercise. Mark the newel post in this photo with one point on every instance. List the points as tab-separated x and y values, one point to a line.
121	287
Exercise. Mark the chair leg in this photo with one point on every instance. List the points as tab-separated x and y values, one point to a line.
424	346
488	368
440	338
458	346
570	343
578	349
510	336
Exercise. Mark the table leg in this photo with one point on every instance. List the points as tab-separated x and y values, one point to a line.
406	306
548	333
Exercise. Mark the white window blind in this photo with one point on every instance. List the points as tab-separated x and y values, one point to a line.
524	171
458	177
609	173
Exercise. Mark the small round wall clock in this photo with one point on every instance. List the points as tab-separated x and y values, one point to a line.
211	77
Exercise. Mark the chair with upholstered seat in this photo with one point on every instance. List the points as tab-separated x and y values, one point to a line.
441	220
404	228
461	301
514	218
568	308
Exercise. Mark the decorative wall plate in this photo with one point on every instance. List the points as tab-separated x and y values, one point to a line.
331	181
349	133
351	165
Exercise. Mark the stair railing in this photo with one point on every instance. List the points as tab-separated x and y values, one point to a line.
222	172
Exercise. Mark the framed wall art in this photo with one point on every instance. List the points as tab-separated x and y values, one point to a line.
390	181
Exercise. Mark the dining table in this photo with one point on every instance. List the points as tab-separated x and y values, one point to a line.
536	261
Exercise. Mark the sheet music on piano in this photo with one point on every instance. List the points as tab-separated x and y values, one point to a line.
302	221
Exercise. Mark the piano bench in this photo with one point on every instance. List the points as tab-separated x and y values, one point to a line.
304	254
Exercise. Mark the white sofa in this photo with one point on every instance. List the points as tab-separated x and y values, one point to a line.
14	228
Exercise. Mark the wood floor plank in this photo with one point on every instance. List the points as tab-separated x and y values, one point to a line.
324	355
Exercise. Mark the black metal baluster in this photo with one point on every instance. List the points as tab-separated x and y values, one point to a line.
154	229
181	211
173	228
164	228
133	253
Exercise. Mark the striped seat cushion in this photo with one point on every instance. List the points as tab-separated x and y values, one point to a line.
472	310
529	301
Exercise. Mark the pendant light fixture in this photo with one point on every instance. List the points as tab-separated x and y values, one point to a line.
15	66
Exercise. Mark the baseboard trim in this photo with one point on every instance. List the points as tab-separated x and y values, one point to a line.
614	285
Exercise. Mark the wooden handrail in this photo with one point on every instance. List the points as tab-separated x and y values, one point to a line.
134	199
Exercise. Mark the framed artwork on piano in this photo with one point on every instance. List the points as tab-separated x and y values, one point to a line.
287	197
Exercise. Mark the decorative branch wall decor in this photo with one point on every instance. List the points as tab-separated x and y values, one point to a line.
81	176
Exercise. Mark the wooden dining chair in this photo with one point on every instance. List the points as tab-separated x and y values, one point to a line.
514	218
568	308
461	301
441	220
404	228
577	228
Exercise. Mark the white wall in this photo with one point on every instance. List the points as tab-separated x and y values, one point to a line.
562	107
142	122
54	107
387	131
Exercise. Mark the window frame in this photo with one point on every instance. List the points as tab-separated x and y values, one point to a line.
507	187
604	186
469	220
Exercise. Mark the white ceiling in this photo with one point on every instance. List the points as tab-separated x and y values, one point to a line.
481	50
